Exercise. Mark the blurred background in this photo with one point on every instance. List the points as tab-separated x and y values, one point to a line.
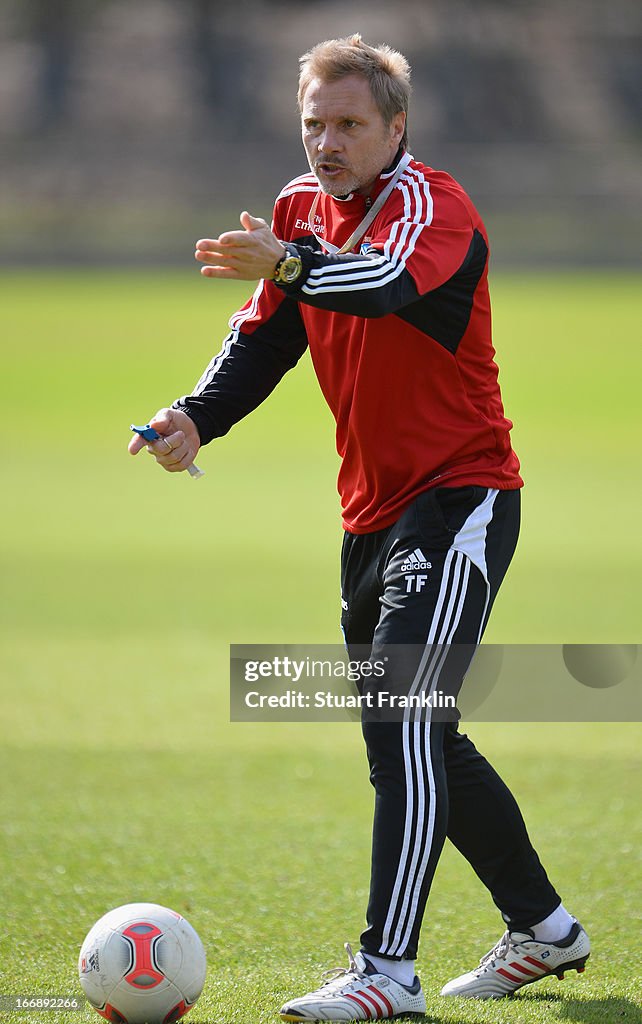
129	129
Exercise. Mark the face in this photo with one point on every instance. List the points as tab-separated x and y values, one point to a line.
347	143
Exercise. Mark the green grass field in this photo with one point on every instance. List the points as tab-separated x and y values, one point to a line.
122	778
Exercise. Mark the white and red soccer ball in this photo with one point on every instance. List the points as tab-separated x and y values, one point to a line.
142	964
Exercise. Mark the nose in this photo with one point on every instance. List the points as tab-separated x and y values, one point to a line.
328	141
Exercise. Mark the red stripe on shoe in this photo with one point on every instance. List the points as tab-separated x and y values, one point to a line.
519	967
379	1011
536	963
384	1000
366	1009
511	977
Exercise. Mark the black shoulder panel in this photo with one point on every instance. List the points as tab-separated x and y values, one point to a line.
444	313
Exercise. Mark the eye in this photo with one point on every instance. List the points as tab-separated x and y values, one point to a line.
349	123
312	126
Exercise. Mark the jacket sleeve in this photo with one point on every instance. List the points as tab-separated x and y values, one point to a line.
410	255
267	339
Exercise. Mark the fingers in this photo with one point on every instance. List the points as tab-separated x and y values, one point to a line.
228	240
205	250
241	255
219	259
162	422
234	239
136	444
237	238
230	273
214	259
172	452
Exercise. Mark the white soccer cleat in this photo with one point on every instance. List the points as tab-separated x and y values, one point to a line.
353	993
518	960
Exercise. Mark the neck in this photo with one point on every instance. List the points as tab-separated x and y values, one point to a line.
394	158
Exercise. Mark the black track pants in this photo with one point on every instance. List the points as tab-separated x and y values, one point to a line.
431	579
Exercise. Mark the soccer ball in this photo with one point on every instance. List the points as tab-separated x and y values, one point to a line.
142	964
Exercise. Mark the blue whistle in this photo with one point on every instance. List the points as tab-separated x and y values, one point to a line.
147	432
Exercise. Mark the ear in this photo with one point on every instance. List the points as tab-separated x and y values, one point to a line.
397	127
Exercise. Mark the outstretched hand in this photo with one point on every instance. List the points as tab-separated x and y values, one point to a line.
246	255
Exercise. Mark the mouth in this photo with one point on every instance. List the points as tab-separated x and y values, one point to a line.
328	169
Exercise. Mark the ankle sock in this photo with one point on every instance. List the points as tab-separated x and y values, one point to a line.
554	927
401	971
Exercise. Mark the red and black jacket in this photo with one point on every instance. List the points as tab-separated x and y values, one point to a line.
399	332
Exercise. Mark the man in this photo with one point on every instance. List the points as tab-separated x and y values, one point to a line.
379	264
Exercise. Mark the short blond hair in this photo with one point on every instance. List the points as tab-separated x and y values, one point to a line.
386	70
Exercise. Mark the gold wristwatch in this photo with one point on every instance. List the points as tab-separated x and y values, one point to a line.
288	268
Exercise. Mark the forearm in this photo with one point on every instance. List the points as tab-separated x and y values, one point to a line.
237	381
359	285
225	395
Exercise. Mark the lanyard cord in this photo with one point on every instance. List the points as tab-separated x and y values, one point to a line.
359	232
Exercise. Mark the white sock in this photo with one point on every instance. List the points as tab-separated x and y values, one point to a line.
402	971
554	927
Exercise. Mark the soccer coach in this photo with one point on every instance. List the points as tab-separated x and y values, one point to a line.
379	264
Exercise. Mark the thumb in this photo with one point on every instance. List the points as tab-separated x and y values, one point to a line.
163	421
251	223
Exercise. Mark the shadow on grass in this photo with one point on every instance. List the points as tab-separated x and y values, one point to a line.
611	1010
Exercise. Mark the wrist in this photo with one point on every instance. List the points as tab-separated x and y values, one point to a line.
282	255
289	267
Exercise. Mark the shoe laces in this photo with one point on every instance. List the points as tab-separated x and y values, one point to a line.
498	952
337	977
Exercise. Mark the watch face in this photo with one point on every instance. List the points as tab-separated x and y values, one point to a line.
290	269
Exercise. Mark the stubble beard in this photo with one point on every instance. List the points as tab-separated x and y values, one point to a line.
346	188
